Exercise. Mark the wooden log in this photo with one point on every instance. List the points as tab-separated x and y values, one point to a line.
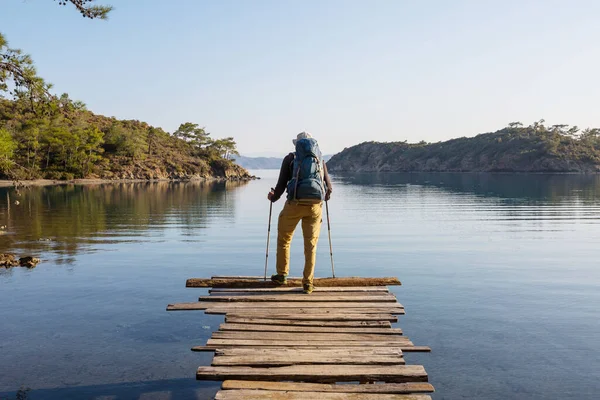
332	351
307	329
292	336
318	373
203	305
384	298
265	312
246	394
293	290
307	343
316	358
299	323
390	388
317	317
319	282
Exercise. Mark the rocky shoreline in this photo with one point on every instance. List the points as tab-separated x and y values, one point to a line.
8	260
96	181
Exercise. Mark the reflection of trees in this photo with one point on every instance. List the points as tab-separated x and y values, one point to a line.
64	219
551	188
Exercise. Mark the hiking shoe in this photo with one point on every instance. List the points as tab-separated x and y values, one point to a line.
308	288
279	279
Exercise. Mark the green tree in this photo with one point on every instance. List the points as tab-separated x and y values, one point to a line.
193	134
87	9
7	148
225	148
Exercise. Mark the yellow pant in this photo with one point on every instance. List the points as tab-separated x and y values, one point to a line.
292	213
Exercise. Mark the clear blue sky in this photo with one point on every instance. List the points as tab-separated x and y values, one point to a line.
347	71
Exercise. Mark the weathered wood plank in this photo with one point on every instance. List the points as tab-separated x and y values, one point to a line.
317	317
297	323
292	336
418	349
278	360
312	310
391	388
266	313
294	290
318	346
354	351
203	305
246	394
384	298
304	343
299	293
305	329
319	373
319	282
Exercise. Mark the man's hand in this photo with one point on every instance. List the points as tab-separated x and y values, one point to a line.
271	194
327	195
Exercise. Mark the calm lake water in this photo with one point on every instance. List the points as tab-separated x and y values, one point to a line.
501	277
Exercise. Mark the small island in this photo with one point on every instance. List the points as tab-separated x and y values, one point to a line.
535	148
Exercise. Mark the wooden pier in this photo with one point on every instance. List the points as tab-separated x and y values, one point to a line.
336	343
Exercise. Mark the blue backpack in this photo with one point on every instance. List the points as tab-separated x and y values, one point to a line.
307	172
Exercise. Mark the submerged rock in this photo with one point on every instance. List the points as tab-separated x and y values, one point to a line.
8	260
29	262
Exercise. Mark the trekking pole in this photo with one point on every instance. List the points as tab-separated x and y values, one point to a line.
268	235
329	231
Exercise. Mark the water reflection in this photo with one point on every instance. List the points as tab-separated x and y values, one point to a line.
67	219
546	187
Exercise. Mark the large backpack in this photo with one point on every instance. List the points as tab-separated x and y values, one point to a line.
307	172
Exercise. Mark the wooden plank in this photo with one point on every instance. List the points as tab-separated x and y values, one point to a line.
318	373
304	343
391	388
246	394
420	349
316	358
265	351
317	317
317	291
264	312
298	323
312	310
203	305
318	346
384	298
297	293
307	329
251	277
319	282
303	336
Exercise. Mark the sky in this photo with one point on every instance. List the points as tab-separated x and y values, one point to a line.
347	71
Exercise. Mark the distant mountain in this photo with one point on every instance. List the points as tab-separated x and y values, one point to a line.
513	149
263	162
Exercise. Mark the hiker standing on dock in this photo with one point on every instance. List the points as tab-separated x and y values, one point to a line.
304	175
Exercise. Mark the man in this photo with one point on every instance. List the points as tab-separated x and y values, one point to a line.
304	175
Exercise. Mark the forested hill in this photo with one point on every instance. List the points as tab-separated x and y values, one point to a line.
43	135
535	148
72	142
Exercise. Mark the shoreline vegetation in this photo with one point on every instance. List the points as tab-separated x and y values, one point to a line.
515	149
4	183
51	137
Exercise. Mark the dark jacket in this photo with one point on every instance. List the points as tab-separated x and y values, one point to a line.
285	175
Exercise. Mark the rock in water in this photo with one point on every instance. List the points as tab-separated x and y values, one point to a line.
8	260
29	262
